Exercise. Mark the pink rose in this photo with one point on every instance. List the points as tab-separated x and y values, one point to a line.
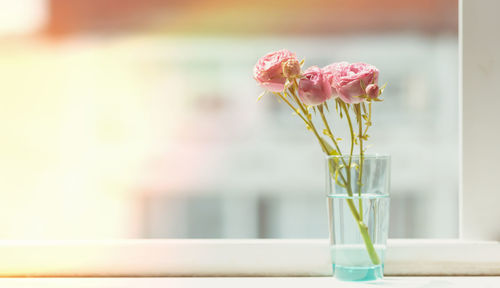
268	71
350	80
314	87
332	70
372	91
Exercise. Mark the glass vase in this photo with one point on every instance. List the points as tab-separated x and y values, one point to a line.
358	215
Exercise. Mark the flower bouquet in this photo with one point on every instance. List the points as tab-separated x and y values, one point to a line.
358	183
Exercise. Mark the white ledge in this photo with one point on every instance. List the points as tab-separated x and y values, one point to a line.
293	282
254	257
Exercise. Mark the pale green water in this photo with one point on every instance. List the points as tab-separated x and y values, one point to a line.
352	263
358	273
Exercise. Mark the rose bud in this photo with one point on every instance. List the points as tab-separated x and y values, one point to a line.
372	91
291	68
350	80
314	87
268	71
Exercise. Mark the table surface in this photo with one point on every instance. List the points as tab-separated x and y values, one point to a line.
259	282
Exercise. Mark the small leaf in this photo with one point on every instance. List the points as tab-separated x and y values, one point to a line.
382	88
339	139
261	95
308	127
364	106
355	165
338	182
337	171
329	148
325	131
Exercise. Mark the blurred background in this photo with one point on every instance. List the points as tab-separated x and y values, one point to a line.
138	118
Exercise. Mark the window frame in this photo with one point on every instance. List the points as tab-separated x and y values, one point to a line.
478	72
476	252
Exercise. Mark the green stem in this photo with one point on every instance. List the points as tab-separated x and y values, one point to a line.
360	202
308	117
346	111
361	160
309	124
372	253
362	227
306	120
350	129
291	106
359	216
368	243
330	134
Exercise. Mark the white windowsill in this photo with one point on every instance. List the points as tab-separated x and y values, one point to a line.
234	258
319	282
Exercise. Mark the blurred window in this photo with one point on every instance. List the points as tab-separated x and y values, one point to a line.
117	127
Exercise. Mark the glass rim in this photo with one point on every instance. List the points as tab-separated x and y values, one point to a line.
365	156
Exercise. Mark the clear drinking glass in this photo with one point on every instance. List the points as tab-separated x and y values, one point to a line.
358	212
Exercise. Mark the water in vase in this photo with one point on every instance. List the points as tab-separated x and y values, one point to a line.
350	258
